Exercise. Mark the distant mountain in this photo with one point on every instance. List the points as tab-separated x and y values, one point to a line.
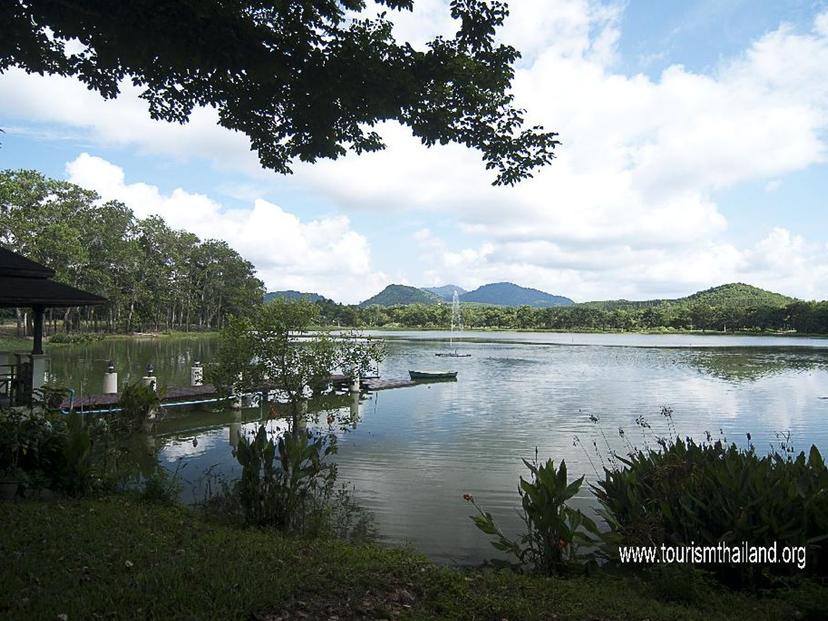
395	295
290	294
732	295
510	294
446	292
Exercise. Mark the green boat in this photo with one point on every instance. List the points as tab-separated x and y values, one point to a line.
421	375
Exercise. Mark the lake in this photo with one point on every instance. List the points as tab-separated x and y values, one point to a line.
413	452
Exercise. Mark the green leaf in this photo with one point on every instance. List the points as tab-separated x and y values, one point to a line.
485	523
815	458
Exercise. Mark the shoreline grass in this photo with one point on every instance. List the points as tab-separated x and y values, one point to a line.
120	558
647	331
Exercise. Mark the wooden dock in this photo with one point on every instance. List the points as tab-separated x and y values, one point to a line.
207	393
374	384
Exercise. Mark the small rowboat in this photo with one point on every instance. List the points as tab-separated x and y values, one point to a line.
445	375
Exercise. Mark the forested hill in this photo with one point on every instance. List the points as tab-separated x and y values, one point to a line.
496	294
510	294
290	294
732	295
728	308
738	295
394	295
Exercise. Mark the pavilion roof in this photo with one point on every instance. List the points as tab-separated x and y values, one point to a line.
13	264
24	282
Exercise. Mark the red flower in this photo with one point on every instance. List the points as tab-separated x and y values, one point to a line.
468	497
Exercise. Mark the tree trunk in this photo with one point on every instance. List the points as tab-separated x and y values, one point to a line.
129	317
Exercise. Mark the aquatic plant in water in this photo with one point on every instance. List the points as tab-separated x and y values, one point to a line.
282	480
554	530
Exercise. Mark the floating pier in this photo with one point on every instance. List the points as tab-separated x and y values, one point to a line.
376	383
207	393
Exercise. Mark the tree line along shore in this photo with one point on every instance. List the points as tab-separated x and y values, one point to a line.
158	279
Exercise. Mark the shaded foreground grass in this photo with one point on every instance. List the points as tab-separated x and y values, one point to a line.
121	558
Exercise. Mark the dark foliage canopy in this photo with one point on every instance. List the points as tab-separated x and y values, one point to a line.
302	79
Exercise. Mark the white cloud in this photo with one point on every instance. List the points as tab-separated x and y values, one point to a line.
640	157
125	121
626	209
324	255
781	261
428	242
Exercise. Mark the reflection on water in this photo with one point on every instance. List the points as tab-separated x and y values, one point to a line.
411	453
741	365
82	366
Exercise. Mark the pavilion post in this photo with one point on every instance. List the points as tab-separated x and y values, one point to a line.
37	347
39	361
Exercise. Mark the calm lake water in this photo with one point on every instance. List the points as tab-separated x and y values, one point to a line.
413	452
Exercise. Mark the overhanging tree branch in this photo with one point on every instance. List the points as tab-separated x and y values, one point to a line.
302	80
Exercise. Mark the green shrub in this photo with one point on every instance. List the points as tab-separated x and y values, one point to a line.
50	396
285	483
138	403
73	338
51	449
687	493
31	441
554	531
161	487
809	598
70	453
77	475
344	519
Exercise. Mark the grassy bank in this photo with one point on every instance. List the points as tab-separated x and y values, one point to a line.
10	342
120	558
165	335
14	343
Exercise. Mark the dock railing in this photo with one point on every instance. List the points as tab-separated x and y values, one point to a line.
8	384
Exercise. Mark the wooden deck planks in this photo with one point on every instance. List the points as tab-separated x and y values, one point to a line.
208	391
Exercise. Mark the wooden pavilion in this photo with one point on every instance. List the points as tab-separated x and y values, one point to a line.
27	284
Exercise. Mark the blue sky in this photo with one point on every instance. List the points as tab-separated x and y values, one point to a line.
701	34
694	153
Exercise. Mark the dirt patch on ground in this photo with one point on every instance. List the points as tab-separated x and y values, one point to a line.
376	603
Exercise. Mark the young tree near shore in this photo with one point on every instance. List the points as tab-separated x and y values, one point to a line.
286	479
302	80
276	346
